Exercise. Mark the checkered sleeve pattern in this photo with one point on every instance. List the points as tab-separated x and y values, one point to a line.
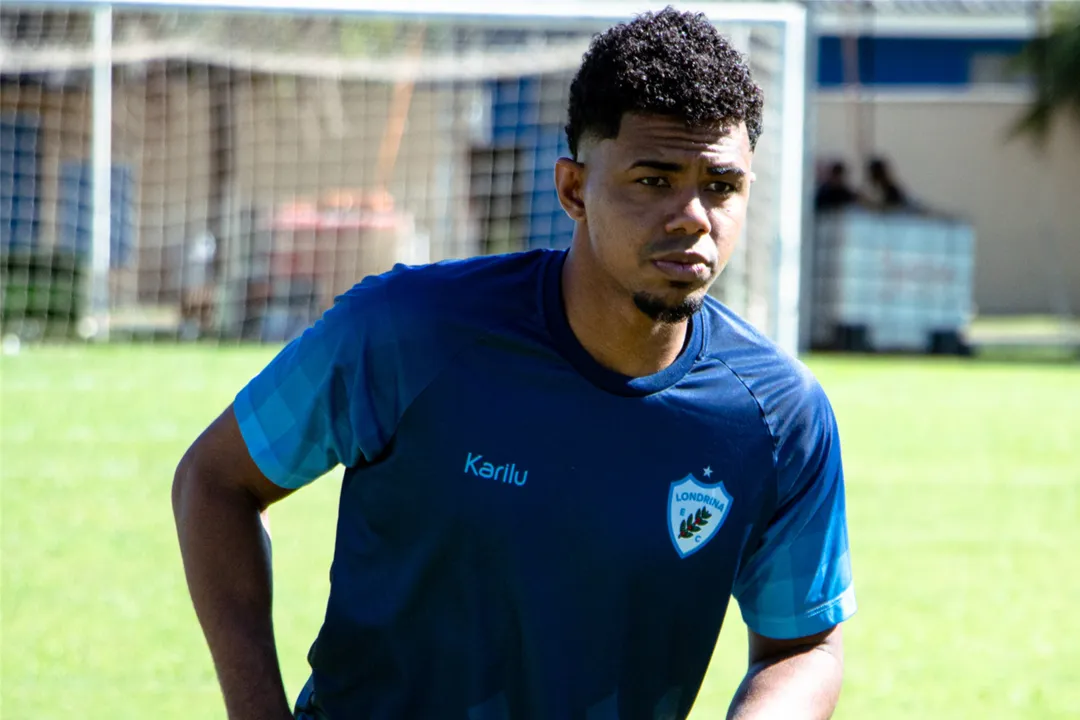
316	404
798	580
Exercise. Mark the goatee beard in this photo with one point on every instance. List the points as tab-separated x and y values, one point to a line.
662	312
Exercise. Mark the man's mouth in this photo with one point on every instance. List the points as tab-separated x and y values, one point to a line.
684	266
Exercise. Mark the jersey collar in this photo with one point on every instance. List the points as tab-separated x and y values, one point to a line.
604	378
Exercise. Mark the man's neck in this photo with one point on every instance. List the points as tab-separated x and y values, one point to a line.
610	327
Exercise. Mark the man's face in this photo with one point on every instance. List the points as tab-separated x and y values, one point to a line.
661	207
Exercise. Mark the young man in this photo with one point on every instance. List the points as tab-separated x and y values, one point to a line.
559	466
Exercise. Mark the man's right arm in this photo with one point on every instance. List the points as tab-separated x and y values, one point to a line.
329	398
218	498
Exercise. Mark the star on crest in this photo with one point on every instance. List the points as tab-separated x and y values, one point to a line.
707	472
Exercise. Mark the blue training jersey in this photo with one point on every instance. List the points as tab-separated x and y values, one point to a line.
523	533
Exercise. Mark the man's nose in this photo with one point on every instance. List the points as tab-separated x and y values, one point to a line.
690	218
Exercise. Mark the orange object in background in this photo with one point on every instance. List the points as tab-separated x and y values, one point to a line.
336	242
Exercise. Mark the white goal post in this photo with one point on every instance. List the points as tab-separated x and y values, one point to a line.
479	45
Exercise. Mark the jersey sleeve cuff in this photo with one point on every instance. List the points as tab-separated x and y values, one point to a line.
258	444
816	620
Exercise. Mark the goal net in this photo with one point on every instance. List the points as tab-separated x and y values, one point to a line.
176	172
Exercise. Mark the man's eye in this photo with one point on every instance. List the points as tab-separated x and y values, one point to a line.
720	187
654	182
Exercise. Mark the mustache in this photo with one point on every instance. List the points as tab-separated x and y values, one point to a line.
681	244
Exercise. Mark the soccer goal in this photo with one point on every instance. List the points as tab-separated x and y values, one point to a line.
223	168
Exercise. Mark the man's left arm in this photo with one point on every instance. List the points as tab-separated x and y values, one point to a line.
797	678
795	589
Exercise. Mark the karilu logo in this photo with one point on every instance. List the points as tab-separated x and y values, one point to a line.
508	473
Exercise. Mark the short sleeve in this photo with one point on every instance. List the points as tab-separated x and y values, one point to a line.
798	581
328	397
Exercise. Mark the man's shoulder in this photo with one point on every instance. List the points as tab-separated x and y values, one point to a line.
479	290
781	383
438	308
792	402
740	344
487	285
474	268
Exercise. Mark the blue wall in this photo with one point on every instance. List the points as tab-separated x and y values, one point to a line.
20	195
76	222
516	123
908	61
20	180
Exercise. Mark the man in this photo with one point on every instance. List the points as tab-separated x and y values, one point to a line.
559	466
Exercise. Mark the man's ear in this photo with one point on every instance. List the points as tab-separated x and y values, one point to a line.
569	184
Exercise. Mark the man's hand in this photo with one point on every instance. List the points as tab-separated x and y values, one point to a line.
795	679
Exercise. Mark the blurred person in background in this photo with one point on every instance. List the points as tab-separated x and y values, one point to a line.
882	190
834	193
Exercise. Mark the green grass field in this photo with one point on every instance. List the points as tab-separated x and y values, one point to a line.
964	507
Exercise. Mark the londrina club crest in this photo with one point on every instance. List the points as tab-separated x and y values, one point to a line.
695	512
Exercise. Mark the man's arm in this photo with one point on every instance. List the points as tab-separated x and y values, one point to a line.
796	679
331	397
797	581
218	497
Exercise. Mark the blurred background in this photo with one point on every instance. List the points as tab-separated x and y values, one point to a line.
182	191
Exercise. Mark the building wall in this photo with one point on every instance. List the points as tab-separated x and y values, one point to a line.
330	141
170	149
291	140
911	60
63	118
953	155
939	105
159	136
300	140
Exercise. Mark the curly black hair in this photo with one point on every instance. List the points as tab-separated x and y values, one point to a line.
668	63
